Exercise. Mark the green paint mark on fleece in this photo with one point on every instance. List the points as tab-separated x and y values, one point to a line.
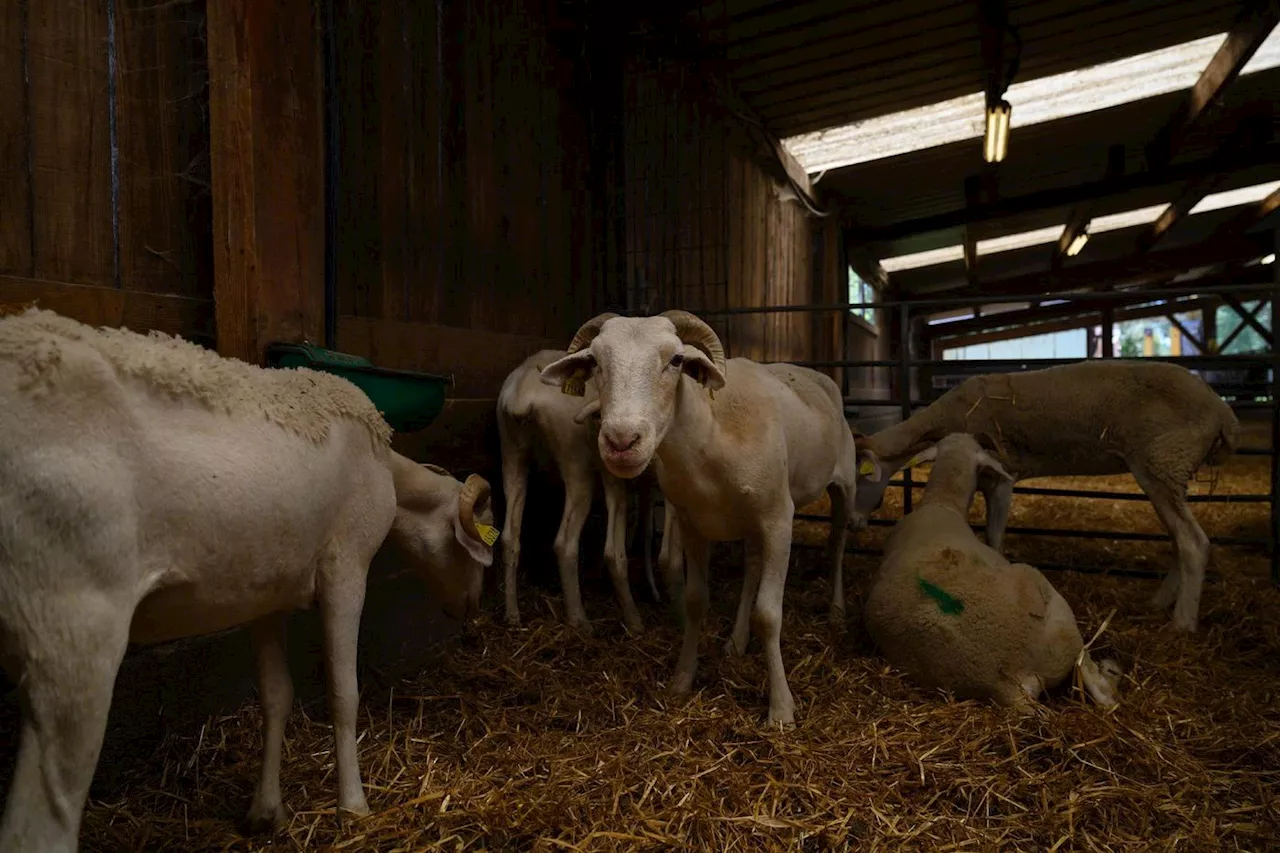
947	603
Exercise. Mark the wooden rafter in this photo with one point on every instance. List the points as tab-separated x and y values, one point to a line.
1003	208
1140	267
1250	31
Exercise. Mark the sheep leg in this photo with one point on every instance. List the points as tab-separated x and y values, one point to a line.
341	600
768	614
615	549
671	564
835	551
65	688
999	499
1190	543
515	486
579	483
269	636
696	597
737	642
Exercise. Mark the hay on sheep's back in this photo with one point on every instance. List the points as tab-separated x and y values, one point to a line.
542	739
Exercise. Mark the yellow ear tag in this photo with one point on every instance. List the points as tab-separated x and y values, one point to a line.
488	533
866	469
575	385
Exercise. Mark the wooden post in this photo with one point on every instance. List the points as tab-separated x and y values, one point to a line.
267	161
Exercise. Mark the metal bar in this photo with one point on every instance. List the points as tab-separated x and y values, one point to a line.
1118	535
926	301
1206	361
904	386
1125	496
1275	422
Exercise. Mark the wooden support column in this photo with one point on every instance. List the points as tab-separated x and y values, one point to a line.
267	160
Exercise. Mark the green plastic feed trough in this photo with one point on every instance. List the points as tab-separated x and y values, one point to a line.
408	401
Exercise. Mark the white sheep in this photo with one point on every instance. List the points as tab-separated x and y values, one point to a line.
736	446
151	490
1157	420
956	615
536	424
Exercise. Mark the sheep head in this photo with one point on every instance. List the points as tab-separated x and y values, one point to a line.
444	531
639	364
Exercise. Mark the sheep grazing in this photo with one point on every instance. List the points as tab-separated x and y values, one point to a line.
1157	420
151	490
956	615
536	424
736	447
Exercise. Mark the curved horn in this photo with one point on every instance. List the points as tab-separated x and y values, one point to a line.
692	330
474	491
587	331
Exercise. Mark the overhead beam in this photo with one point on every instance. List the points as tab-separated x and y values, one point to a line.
775	158
1112	273
1245	37
1253	131
972	189
1250	216
994	210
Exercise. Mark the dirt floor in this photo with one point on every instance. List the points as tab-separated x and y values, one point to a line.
538	739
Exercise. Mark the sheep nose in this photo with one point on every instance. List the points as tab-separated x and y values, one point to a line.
621	439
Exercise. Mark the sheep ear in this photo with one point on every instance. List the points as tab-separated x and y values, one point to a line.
869	465
479	551
570	372
989	462
702	369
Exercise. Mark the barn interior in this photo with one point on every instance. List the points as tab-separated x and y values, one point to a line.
449	187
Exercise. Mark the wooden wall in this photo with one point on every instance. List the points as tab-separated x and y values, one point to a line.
705	227
105	208
465	211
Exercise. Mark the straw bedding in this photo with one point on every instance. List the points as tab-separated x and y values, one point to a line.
540	739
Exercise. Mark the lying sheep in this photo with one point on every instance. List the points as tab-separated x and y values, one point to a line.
536	423
736	446
151	490
1158	420
956	615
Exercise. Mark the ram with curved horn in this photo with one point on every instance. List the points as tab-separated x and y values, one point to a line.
736	446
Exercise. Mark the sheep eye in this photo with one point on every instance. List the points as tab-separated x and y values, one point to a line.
677	360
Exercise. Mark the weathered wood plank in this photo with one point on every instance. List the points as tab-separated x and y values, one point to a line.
103	305
163	146
67	64
267	160
15	150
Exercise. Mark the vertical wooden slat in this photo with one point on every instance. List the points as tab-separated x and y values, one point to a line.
359	99
15	152
268	168
67	60
394	189
163	144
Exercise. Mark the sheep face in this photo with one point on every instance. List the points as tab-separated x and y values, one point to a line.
439	532
638	364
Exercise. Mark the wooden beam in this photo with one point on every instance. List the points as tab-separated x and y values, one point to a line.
1253	131
972	192
267	163
1249	32
771	154
1250	216
1100	274
1065	196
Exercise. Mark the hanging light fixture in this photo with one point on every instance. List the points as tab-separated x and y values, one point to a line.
995	142
1077	242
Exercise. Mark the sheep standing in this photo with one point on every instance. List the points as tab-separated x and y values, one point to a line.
536	423
1093	418
151	490
956	615
736	447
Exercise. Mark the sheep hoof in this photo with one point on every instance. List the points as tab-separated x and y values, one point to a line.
837	618
680	685
783	715
1183	625
582	626
635	627
734	648
263	821
513	620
